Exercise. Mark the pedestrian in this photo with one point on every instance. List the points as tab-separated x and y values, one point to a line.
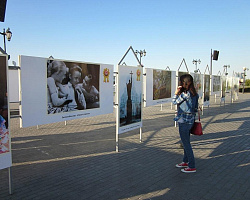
186	99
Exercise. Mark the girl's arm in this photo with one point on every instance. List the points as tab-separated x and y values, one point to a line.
178	99
56	101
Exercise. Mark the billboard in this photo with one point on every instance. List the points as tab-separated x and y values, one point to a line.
206	90
129	98
198	83
54	90
216	85
159	86
5	139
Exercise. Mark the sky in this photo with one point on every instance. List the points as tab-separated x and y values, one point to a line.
101	31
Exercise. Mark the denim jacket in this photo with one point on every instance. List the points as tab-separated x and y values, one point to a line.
187	106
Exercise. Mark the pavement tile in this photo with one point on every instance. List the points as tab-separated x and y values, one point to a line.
78	161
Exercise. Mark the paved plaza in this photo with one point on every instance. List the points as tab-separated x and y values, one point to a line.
78	160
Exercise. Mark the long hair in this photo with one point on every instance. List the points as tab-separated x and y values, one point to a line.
187	79
55	66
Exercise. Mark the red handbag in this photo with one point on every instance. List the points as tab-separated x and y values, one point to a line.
197	128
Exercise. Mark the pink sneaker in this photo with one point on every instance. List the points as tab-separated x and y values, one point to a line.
188	170
183	164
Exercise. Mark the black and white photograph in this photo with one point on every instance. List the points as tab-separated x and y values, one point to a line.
55	90
72	86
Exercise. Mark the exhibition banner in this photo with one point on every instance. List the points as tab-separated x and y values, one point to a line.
5	139
198	83
159	86
129	98
55	90
216	85
223	88
206	101
236	85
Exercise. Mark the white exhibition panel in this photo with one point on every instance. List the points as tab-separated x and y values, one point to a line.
149	87
198	83
5	136
5	160
229	84
34	101
235	88
216	85
206	89
14	85
223	88
129	88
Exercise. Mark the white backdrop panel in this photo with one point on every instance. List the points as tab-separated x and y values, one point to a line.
216	85
34	94
129	98
5	136
198	83
149	84
14	85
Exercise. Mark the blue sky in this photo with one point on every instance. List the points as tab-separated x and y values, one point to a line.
101	31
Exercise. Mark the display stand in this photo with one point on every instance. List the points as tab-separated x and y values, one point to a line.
117	100
177	83
5	147
204	93
10	180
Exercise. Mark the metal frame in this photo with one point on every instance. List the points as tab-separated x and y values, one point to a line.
117	99
183	60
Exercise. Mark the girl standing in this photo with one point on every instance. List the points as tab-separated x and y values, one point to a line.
186	99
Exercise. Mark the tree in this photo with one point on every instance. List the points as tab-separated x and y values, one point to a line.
247	82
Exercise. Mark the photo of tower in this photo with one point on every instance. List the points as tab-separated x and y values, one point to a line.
130	95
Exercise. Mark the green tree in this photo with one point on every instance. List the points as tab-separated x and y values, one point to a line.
247	82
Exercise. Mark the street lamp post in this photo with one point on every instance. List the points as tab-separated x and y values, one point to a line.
195	62
8	35
244	79
141	53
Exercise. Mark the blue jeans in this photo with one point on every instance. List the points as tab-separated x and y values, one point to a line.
184	130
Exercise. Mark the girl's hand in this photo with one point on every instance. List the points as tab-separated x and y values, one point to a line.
177	92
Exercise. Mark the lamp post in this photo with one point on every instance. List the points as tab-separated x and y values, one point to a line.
141	53
8	35
195	62
244	79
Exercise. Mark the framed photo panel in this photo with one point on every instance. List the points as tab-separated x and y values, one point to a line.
216	85
198	83
129	98
223	88
236	85
206	101
60	90
5	138
159	86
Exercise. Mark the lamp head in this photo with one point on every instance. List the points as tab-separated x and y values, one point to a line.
8	34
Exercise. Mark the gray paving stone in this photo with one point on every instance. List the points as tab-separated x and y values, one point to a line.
78	161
